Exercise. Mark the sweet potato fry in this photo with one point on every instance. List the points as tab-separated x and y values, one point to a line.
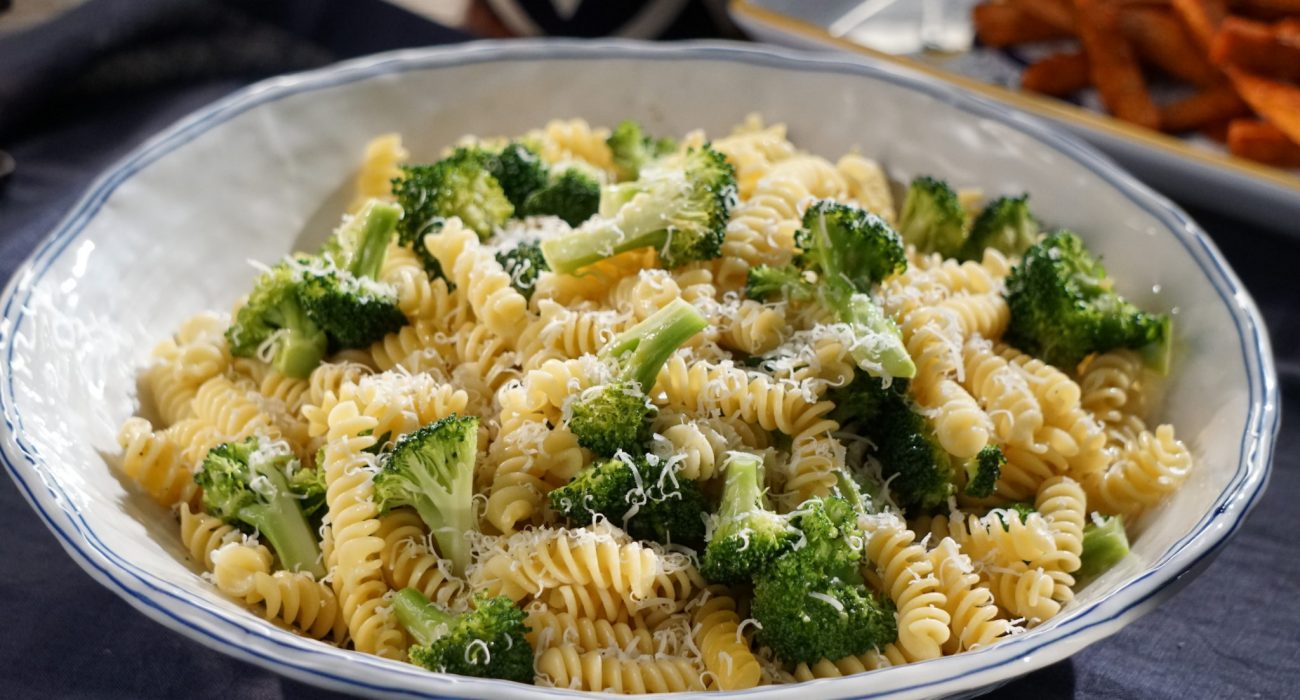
1004	25
1112	66
1202	18
1058	13
1057	75
1209	106
1278	103
1258	48
1162	41
1263	142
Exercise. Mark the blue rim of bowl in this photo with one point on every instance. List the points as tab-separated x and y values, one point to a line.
312	661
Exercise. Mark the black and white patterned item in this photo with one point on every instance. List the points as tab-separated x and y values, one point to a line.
640	19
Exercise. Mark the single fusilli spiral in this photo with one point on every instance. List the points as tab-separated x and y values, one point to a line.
1062	503
908	577
409	560
752	150
589	602
1024	592
202	534
725	653
566	667
811	469
750	327
478	276
868	185
644	293
1002	392
1115	390
751	396
421	347
290	598
561	333
974	618
563	140
156	463
1145	472
379	166
356	562
231	410
530	562
549	629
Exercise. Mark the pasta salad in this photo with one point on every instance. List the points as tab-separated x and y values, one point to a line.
604	410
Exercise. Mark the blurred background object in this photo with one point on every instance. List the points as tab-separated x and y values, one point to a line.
644	19
16	15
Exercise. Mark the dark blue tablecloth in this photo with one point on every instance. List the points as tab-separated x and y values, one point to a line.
1234	632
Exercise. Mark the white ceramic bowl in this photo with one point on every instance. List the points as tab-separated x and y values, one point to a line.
168	231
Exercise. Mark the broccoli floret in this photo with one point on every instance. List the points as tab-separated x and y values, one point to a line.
360	244
432	470
838	240
917	468
518	170
1005	225
273	323
486	642
1064	307
843	251
632	149
339	289
459	185
572	195
811	602
308	486
615	416
353	313
245	484
524	263
1105	543
679	209
933	219
747	535
779	282
861	401
643	495
983	471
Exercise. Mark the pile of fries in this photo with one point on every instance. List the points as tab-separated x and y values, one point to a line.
1241	56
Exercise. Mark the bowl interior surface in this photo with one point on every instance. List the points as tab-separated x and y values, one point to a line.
170	233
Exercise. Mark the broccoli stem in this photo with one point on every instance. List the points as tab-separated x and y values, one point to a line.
1103	547
889	351
742	492
300	345
653	340
456	520
283	525
1157	356
574	251
375	226
424	620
